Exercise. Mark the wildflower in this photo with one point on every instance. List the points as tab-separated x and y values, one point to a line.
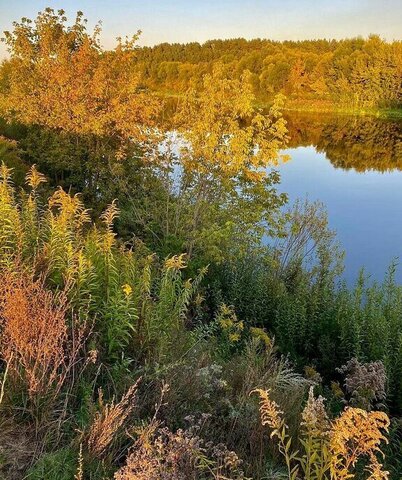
80	470
110	214
227	317
199	299
271	414
109	420
92	356
34	178
226	323
176	262
355	434
261	334
314	416
234	337
127	289
365	382
226	309
34	332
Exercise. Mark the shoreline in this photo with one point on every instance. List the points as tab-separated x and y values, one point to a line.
388	114
309	107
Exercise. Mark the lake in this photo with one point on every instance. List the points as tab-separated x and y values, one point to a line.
354	166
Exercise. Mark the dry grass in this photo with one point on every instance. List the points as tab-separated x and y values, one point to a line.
18	448
109	420
160	454
36	342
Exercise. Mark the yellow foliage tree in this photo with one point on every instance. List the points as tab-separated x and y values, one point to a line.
224	135
59	77
227	147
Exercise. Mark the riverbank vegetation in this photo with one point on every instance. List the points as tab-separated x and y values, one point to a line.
147	329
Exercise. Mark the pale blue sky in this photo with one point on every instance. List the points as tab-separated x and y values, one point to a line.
185	20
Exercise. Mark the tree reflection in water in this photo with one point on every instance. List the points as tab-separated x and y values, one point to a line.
349	142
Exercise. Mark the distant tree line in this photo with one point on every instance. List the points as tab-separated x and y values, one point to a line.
352	73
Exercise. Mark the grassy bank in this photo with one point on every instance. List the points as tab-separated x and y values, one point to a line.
326	107
309	107
387	113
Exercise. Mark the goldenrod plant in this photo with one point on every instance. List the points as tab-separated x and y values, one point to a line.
330	449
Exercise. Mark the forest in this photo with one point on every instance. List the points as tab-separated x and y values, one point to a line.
147	332
347	75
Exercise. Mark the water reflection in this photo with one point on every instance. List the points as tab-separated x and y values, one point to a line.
353	166
359	143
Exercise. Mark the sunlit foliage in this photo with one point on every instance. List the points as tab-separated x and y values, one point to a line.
226	152
157	279
332	449
353	73
224	137
58	76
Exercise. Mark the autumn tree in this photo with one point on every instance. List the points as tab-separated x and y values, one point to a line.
226	153
80	101
60	77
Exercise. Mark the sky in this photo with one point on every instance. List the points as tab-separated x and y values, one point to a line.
186	20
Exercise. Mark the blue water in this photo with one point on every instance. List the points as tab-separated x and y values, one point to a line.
365	208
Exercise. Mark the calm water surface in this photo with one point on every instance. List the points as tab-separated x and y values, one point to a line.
354	166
